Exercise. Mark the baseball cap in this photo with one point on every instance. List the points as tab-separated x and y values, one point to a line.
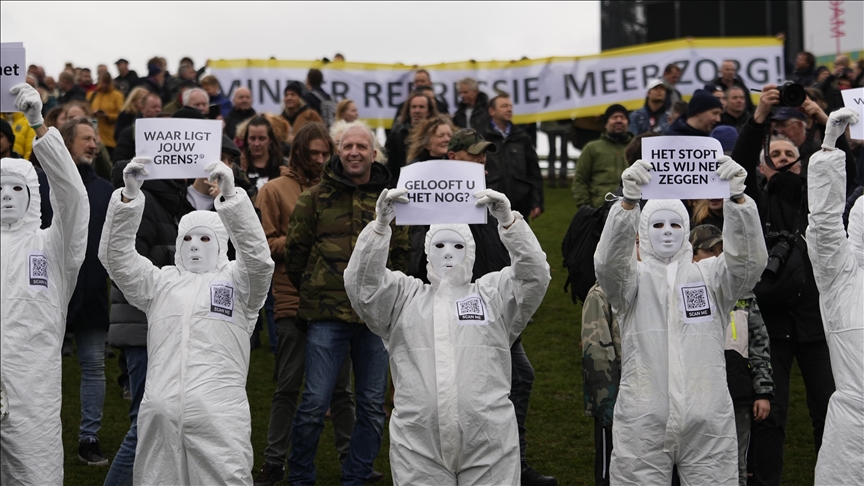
654	83
788	113
470	141
705	236
121	60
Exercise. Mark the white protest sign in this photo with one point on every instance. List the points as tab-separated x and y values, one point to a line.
13	70
854	99
683	168
441	192
178	148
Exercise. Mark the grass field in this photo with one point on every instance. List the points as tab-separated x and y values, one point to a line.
560	437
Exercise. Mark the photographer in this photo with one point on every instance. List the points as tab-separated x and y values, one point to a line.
787	292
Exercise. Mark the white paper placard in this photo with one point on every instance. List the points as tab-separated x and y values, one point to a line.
13	70
854	99
441	192
178	148
683	168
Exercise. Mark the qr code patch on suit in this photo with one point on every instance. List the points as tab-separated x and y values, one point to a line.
696	301
222	299
38	270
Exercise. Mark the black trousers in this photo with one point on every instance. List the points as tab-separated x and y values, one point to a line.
522	382
768	435
602	453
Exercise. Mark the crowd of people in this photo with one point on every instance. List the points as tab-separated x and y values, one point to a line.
292	234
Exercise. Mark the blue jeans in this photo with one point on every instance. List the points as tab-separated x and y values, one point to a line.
327	343
121	468
91	357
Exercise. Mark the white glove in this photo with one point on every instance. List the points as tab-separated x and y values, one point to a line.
731	171
29	102
223	176
499	205
132	177
836	126
634	177
384	210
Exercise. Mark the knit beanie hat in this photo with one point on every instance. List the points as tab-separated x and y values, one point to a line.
702	101
616	108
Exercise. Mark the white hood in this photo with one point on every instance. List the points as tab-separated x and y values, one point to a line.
646	249
207	219
24	169
461	274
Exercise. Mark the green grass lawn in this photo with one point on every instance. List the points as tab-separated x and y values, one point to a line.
560	437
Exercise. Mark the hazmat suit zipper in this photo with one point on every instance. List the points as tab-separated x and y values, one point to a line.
675	381
445	379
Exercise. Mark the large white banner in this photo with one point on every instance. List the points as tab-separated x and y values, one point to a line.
541	89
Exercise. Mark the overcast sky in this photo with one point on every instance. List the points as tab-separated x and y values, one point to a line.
90	33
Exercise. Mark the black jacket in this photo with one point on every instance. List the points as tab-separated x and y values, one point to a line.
164	204
680	127
440	104
126	83
313	101
88	307
124	121
234	118
479	116
76	93
397	151
789	300
514	170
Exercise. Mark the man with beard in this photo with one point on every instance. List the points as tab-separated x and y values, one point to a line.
241	111
602	162
87	314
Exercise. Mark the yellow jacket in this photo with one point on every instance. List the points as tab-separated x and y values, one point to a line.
111	104
24	135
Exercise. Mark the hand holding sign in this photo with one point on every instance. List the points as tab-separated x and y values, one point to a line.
27	100
634	177
836	126
499	206
133	177
684	168
385	212
222	176
732	171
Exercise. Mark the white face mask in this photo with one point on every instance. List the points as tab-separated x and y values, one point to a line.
446	250
14	199
199	251
666	232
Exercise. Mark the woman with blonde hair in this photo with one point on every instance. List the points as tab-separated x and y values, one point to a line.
707	211
430	139
130	110
347	110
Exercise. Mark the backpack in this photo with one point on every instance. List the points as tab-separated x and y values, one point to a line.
328	109
578	248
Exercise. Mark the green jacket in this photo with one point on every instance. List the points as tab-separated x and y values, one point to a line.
599	169
601	357
321	236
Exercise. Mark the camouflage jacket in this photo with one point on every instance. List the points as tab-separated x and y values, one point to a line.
748	356
601	356
321	236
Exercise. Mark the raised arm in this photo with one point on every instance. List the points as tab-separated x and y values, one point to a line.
67	236
834	266
377	294
253	271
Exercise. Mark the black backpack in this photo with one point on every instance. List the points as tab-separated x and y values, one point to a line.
578	248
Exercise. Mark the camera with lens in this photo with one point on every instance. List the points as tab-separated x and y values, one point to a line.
783	242
792	94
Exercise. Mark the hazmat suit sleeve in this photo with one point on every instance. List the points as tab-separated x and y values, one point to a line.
134	274
735	272
253	270
615	257
67	236
834	266
377	294
521	286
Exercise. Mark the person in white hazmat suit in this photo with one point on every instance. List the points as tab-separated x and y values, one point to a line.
194	425
39	272
449	344
838	265
673	405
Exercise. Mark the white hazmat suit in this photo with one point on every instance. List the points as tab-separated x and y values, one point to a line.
194	425
39	273
840	279
449	345
673	405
